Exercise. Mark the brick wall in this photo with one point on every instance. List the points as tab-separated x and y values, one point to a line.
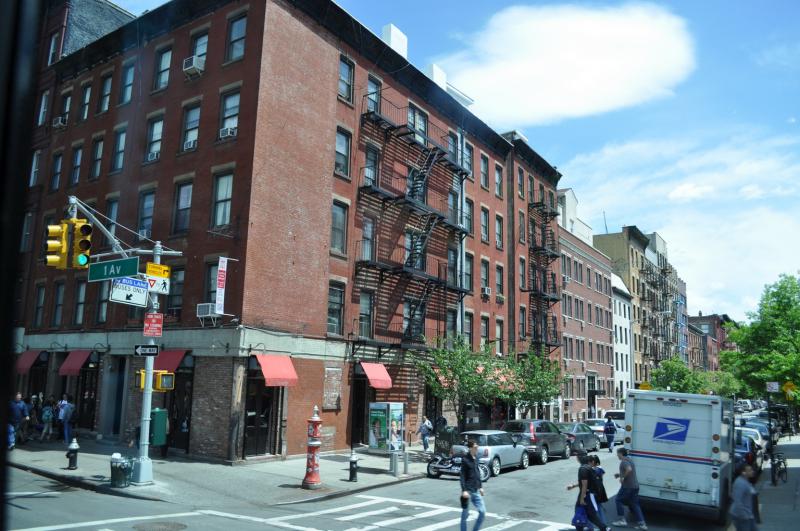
212	413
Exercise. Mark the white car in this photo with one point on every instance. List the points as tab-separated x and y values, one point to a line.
598	427
756	435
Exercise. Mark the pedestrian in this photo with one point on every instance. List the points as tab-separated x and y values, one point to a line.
19	416
628	491
602	496
424	430
65	415
743	497
610	430
48	415
587	502
471	488
60	417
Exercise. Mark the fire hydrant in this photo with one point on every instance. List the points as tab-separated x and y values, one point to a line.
312	480
353	466
72	454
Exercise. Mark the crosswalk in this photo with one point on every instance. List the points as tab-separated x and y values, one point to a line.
381	513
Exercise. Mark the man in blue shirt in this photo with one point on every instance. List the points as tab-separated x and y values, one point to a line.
18	415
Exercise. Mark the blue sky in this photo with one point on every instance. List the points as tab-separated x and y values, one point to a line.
679	117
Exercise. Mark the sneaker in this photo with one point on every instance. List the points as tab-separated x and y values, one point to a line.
641	526
620	523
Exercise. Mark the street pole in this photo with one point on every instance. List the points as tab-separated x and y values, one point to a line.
143	469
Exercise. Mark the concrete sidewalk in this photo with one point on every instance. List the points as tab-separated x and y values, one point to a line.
196	483
780	505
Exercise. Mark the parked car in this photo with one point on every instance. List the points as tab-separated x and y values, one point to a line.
496	449
746	404
541	438
598	427
763	428
581	436
617	414
747	451
760	440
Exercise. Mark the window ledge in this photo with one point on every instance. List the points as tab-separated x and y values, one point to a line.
149	162
228	140
157	91
100	113
337	254
124	103
183	152
114	172
345	101
232	61
331	335
178	235
342	176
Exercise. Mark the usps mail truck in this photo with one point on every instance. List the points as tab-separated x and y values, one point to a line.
682	447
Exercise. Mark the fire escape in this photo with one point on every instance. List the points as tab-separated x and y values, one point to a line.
543	288
418	217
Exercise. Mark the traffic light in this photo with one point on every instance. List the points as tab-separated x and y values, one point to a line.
57	246
162	380
81	243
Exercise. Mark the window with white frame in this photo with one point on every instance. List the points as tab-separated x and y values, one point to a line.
223	196
161	76
33	179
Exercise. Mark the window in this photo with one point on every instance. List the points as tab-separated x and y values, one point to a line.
161	76
230	111
105	94
498	336
25	240
335	309
102	301
372	168
418	121
66	105
52	54
469	264
522	273
484	225
155	129
591	351
484	331
485	171
498	232
147	202
38	311
342	165
223	194
484	274
183	207
530	189
498	279
498	181
468	330
55	175
175	298
373	94
452	267
469	154
520	182
77	156
80	301
112	208
522	322
200	45
126	90
346	71
452	146
521	226
34	176
58	304
191	127
43	104
365	314
118	158
237	29
468	216
211	282
339	228
589	311
97	158
86	95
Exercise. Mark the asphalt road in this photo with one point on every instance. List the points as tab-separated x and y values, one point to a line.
533	499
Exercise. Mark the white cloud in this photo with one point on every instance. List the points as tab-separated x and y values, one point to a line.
541	64
751	191
689	191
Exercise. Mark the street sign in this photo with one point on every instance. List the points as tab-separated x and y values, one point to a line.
773	387
158	285
646	386
157	270
153	324
124	267
130	291
145	350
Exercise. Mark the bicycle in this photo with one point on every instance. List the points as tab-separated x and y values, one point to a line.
778	468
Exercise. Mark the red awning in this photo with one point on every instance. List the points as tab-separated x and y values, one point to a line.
377	375
168	360
75	360
278	370
26	360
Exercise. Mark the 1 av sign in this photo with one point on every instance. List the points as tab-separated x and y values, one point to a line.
124	267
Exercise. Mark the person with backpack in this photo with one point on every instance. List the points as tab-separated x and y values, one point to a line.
610	430
587	507
48	415
65	416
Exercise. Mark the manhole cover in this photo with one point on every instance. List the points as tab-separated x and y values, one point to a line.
523	515
159	526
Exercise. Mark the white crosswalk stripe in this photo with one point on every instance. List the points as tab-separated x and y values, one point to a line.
367	513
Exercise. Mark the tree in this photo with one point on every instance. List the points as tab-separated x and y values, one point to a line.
538	380
721	383
675	375
769	345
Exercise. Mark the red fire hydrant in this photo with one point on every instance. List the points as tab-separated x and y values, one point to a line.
312	480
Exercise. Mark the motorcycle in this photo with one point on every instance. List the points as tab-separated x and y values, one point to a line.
451	466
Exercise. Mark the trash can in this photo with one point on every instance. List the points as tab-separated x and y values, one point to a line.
121	471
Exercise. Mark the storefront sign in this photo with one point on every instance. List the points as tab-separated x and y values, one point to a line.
222	278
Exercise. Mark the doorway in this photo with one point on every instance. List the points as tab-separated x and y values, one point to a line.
86	402
37	375
119	363
179	405
358	411
262	416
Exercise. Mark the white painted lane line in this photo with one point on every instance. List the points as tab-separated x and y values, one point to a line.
402	502
393	521
256	519
440	525
504	525
367	513
318	513
37	493
95	523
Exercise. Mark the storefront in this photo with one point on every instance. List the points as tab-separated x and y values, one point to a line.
32	368
367	377
265	403
178	402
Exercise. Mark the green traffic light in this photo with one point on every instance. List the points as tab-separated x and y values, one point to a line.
83	260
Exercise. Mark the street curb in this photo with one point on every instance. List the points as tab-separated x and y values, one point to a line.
82	484
341	494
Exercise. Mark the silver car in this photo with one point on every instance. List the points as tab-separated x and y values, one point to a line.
496	449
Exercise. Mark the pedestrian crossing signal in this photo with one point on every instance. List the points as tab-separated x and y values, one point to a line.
162	380
81	243
57	246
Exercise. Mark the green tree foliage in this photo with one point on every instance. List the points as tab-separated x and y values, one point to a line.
721	383
769	345
675	375
539	380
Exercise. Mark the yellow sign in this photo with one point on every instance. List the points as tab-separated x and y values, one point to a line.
646	386
790	390
157	270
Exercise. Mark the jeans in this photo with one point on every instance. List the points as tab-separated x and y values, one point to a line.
47	430
629	497
594	512
745	524
67	432
425	442
477	501
12	436
610	439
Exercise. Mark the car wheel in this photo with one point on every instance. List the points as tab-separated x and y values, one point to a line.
484	473
524	461
543	456
433	472
567	451
495	469
597	445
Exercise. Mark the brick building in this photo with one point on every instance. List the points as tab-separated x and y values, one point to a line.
696	348
366	211
713	326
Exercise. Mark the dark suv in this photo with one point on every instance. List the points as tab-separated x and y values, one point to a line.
541	438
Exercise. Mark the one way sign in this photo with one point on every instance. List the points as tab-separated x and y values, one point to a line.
146	350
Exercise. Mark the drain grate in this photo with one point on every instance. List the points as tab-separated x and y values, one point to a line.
160	526
523	515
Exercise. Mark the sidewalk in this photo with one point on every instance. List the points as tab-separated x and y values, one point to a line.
780	505
189	482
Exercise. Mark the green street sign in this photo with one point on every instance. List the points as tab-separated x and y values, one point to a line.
124	267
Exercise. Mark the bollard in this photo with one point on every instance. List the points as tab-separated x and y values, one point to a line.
312	480
353	466
392	462
405	462
72	454
395	464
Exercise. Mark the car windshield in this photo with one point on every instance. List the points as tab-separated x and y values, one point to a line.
564	427
480	439
515	427
597	422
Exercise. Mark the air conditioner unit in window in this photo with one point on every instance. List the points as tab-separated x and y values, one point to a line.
567	279
190	145
501	298
144	233
153	156
228	132
59	122
194	65
206	309
582	325
486	291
